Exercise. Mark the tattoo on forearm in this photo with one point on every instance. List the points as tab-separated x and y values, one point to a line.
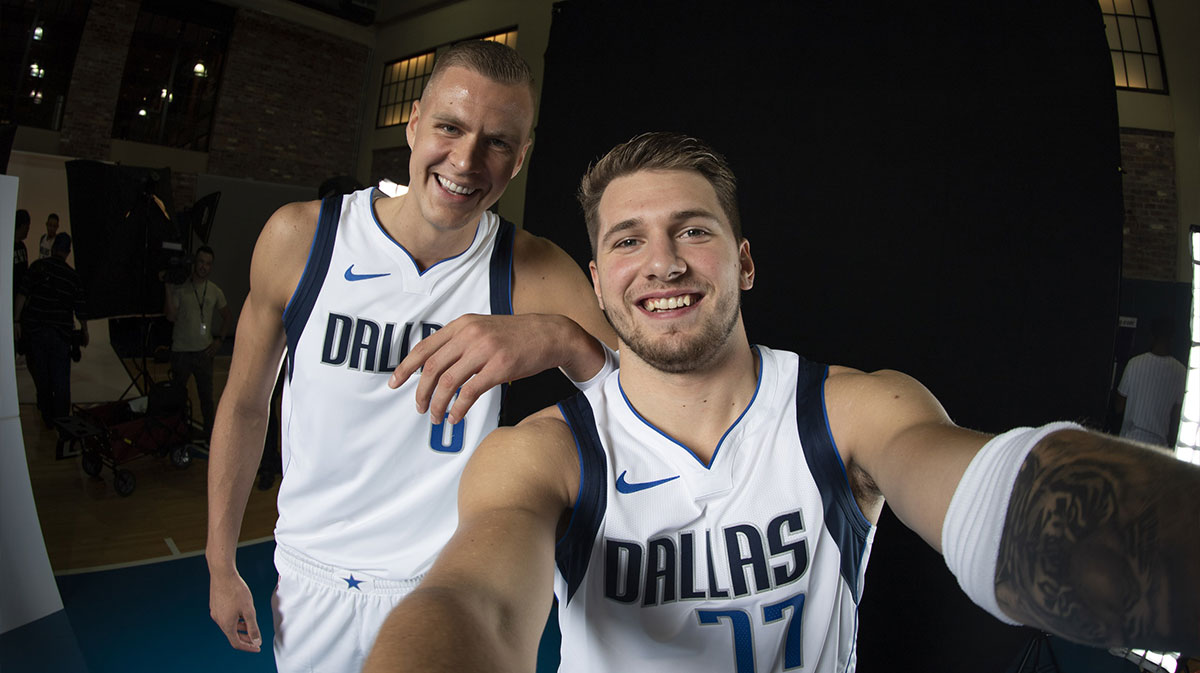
1100	544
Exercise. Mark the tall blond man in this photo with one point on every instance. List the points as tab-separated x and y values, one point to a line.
361	292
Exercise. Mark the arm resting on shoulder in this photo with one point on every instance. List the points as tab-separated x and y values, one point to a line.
558	323
484	604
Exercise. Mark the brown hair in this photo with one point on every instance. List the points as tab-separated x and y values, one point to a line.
658	151
495	61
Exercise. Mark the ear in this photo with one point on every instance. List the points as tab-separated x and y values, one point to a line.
521	158
746	278
410	130
596	283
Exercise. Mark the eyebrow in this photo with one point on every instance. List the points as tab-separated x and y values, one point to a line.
503	134
677	216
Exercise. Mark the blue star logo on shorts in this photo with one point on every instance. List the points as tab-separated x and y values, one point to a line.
352	583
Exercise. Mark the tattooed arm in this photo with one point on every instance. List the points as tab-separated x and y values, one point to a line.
1101	544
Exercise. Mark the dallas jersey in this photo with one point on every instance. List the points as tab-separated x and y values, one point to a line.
754	562
368	484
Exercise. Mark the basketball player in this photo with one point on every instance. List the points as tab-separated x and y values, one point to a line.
350	286
711	505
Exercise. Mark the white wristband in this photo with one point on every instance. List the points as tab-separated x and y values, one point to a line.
975	519
612	361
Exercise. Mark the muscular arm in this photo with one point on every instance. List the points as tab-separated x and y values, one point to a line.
1101	544
241	420
558	324
491	587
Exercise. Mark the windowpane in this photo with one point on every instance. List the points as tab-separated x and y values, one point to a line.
1154	78
29	95
1146	36
1124	7
1137	76
1129	36
1110	30
1141	7
1118	60
179	48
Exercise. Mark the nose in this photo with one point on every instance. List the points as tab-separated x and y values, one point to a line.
467	154
663	261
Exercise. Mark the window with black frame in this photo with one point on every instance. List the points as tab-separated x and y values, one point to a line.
169	89
1132	33
38	43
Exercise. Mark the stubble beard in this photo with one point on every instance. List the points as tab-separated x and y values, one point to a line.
674	355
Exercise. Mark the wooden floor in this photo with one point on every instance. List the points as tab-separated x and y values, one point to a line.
85	523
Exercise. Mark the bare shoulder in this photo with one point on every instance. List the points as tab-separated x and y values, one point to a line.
547	280
282	251
540	260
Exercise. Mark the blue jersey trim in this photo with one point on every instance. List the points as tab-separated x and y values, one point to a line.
409	254
502	269
845	522
501	274
573	551
300	307
720	442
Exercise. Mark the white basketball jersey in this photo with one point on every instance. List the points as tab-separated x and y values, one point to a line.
368	484
752	563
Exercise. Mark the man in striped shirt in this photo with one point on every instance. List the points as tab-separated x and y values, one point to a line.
49	301
1151	391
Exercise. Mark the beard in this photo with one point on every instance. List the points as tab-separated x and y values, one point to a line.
675	353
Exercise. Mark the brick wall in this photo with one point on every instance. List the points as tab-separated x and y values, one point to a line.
96	80
1151	211
289	104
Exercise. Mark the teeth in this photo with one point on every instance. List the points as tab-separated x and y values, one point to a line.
455	188
668	303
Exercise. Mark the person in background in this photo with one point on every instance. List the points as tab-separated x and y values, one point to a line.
192	307
47	239
48	303
1150	394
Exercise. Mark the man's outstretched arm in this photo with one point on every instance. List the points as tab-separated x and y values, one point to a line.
484	603
1101	544
1095	538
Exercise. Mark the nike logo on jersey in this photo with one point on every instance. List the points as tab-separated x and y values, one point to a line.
626	487
351	276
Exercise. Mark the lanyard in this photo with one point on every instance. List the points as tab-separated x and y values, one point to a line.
199	299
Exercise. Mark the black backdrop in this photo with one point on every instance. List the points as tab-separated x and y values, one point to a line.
931	187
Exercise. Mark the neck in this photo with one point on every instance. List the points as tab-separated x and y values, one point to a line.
425	242
695	408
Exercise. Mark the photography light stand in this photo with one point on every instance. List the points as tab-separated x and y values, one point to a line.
1031	660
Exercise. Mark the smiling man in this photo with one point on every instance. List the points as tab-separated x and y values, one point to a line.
362	291
711	505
